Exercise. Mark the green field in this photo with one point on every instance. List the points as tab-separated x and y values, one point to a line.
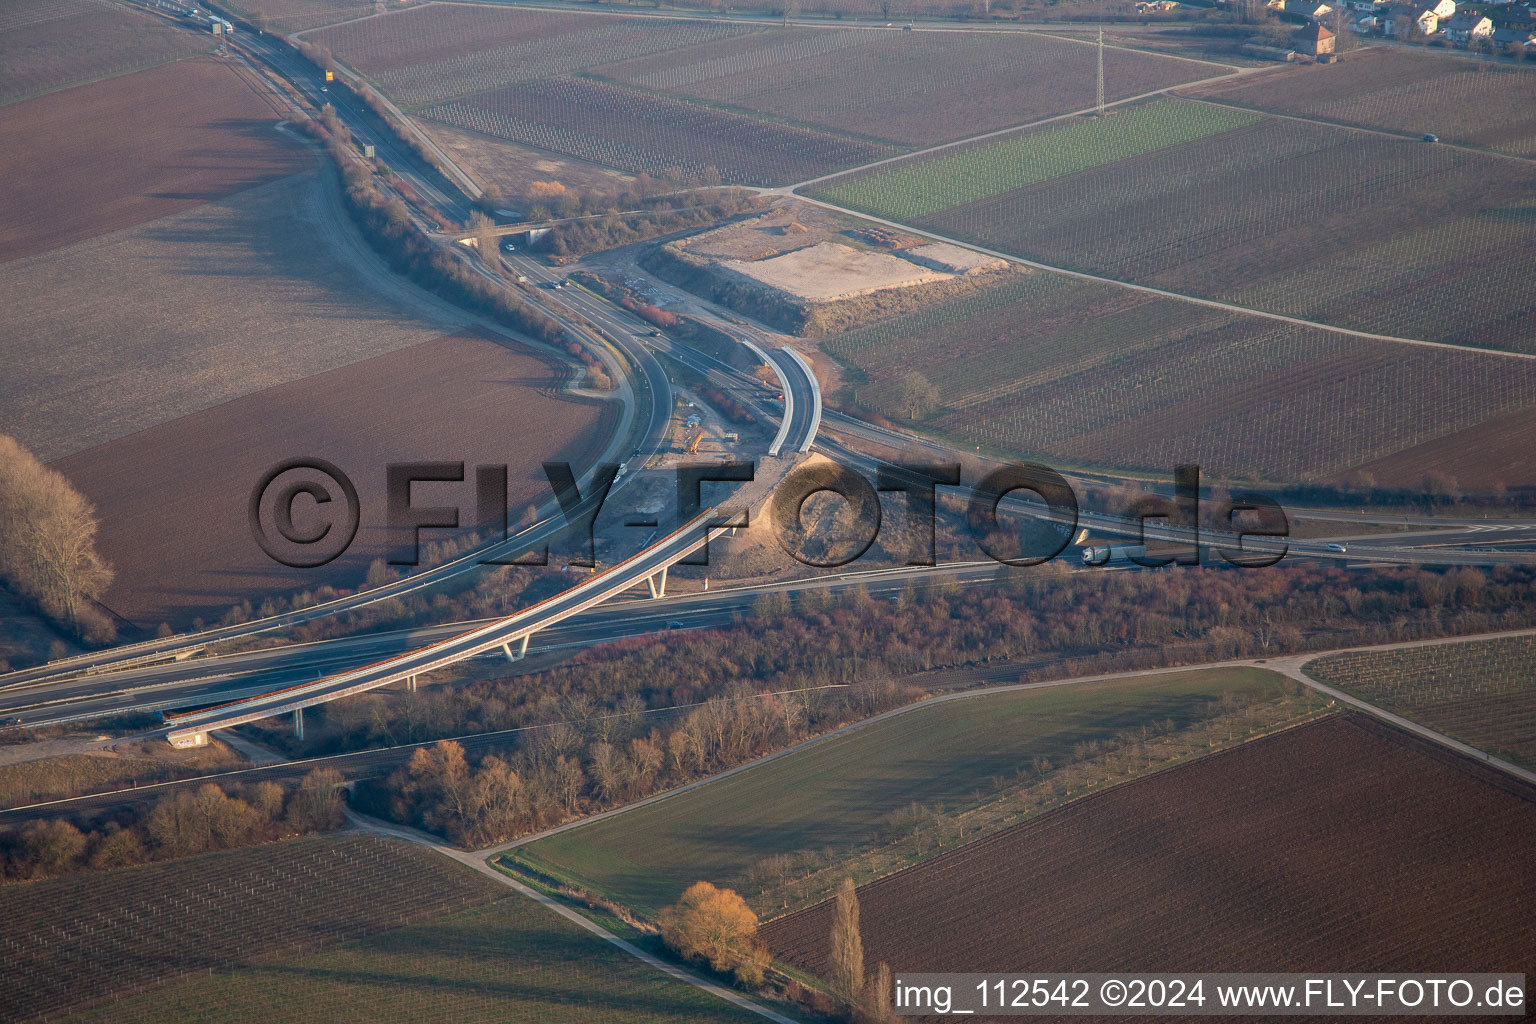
921	187
841	792
1482	693
510	961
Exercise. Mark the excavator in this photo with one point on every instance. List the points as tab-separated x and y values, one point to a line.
695	435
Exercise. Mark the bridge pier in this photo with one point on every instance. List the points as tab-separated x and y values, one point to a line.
298	723
410	684
522	649
657	582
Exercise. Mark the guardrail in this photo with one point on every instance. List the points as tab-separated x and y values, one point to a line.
192	726
810	376
777	445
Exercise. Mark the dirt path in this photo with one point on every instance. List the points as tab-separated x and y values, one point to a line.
478	862
1165	294
1288	666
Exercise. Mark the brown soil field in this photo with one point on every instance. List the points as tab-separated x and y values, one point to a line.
1341	845
861	82
1476	103
445	31
1503	450
510	167
173	499
200	132
298	15
51	44
1396	237
1083	373
164	319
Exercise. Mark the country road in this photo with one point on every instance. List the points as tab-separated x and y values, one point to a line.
964	681
478	863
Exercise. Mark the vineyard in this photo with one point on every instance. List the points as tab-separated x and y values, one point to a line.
1333	846
439	31
614	126
513	962
919	188
1365	232
864	82
74	941
763	106
1054	368
53	44
1475	103
481	71
1482	693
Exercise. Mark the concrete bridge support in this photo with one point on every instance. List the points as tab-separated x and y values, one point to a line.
657	583
298	723
410	683
522	649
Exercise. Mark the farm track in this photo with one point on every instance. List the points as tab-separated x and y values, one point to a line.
1362	129
1384	849
1229	307
479	862
1289	666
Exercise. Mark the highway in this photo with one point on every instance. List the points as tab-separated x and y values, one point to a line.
568	619
511	634
228	677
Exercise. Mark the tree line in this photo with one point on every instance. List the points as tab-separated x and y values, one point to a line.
48	550
182	823
633	717
1044	622
386	223
597	760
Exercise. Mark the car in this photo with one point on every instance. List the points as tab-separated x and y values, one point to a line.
635	453
1335	546
674	624
655	334
1431	137
9	721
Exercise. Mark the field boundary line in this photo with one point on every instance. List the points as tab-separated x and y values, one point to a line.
1276	665
1164	293
1344	126
1296	672
480	864
794	190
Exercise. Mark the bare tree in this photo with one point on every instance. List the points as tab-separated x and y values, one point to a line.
847	944
48	538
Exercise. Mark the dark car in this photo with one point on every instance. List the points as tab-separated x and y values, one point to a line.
4	722
1431	137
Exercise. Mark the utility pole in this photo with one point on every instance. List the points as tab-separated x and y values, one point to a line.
1100	95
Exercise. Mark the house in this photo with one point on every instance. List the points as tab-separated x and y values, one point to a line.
1516	38
1467	26
1405	19
1313	39
1311	10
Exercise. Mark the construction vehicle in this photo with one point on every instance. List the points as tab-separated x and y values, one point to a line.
691	446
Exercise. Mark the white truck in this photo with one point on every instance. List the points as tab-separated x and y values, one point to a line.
1115	554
